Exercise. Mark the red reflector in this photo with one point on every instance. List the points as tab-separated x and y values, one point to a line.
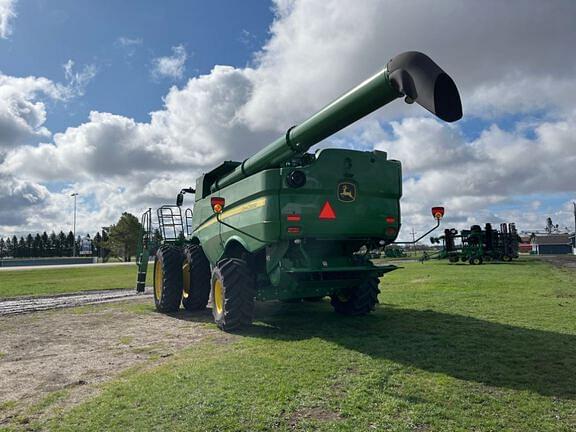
217	204
390	219
293	218
327	212
294	230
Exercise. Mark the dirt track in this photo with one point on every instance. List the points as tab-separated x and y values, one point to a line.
76	349
562	261
33	304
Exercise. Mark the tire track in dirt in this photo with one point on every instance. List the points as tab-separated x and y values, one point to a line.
22	305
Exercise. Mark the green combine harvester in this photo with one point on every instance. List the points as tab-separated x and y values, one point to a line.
287	224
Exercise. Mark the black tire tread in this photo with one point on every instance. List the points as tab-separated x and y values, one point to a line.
239	292
362	300
171	258
199	290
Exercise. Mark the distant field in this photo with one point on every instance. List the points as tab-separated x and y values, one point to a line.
451	348
66	280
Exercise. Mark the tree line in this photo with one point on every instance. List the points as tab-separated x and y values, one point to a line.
118	240
48	245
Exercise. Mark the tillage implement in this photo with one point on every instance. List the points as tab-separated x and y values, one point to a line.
288	224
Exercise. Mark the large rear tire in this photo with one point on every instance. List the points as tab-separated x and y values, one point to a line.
476	260
233	292
196	279
168	279
359	300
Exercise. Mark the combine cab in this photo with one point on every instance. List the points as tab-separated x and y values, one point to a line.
288	224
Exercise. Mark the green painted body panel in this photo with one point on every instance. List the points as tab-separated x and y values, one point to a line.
260	220
376	180
313	261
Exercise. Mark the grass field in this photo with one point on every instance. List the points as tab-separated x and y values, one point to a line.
451	348
66	280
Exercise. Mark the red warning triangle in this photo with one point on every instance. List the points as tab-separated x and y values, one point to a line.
327	212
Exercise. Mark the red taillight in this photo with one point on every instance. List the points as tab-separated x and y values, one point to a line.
294	230
327	212
293	218
390	219
438	212
217	204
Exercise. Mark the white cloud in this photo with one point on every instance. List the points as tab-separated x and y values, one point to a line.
129	42
78	80
7	14
129	45
22	111
171	67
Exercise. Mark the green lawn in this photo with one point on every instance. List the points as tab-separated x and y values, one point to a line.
66	280
451	348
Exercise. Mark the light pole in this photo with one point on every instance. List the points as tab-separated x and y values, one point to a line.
75	194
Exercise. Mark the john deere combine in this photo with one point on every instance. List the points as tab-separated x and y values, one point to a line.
288	224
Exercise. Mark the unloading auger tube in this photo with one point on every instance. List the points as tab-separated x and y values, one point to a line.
411	74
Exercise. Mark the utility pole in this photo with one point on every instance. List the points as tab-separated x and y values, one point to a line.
75	194
413	240
574	204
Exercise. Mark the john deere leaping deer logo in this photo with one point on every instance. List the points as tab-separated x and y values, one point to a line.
346	192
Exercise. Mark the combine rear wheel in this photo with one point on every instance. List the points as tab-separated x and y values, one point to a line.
168	279
358	301
196	279
476	260
233	291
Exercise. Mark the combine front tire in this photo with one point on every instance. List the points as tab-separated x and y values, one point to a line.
359	301
168	279
232	294
196	279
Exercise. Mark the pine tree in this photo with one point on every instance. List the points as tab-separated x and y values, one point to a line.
21	247
2	247
14	246
29	245
9	249
37	248
53	244
45	244
61	244
70	240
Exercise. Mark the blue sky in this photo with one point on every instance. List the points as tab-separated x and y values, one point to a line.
79	79
52	32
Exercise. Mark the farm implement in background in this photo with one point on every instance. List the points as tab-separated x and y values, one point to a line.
477	246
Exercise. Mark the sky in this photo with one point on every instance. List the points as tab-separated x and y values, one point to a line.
127	102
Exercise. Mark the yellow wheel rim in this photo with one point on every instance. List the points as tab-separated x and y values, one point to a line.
218	296
158	279
186	279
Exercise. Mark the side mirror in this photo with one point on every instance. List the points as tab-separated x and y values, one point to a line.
217	204
438	212
179	199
